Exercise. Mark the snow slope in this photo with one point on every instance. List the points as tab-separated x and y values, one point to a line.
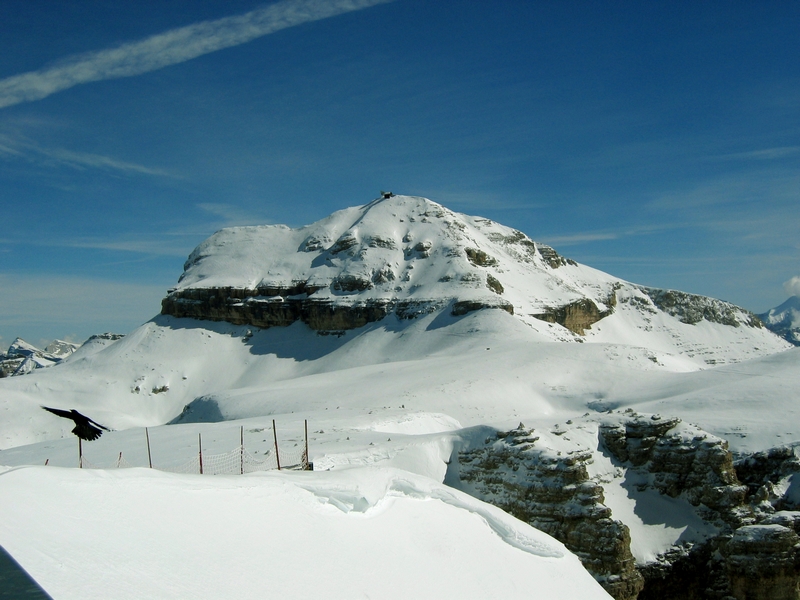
376	533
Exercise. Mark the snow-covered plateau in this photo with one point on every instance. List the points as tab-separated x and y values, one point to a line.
469	393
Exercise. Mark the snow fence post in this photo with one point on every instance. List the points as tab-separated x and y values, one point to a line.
275	437
306	463
80	454
200	446
149	457
241	450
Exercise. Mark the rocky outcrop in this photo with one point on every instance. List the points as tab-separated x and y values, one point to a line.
526	250
749	547
9	365
462	307
577	316
479	258
280	307
756	553
762	562
580	315
552	492
683	462
691	309
277	307
767	473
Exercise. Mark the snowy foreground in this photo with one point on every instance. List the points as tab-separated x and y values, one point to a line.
359	533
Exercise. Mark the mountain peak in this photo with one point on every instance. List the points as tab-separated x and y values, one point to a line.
391	249
409	256
784	320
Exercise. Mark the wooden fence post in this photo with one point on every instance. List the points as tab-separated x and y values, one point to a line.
80	454
241	450
275	437
306	462
149	457
200	445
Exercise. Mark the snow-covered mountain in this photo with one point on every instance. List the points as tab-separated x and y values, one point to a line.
637	425
22	358
410	256
784	320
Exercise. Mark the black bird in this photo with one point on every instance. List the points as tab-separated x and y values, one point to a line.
84	426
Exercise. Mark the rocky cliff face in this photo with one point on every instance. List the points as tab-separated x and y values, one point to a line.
580	315
749	548
264	308
691	308
553	492
686	463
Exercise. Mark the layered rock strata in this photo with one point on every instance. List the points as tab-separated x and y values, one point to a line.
687	463
552	492
280	307
691	308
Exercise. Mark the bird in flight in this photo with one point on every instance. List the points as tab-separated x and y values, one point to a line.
84	426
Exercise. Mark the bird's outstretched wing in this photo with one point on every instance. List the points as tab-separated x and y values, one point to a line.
98	424
57	411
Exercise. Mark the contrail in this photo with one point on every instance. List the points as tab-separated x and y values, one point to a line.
171	47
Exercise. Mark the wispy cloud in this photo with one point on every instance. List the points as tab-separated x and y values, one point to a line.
153	247
581	238
164	245
19	147
755	190
575	239
84	160
169	48
763	154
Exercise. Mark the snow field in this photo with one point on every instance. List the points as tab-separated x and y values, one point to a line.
363	532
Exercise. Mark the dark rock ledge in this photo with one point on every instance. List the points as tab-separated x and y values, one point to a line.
275	306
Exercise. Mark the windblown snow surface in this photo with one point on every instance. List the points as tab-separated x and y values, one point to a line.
386	404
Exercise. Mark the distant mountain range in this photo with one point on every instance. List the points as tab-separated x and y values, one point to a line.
22	358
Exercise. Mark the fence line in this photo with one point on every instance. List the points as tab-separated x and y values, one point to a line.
236	462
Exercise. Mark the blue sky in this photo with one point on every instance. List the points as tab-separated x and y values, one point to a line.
657	141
